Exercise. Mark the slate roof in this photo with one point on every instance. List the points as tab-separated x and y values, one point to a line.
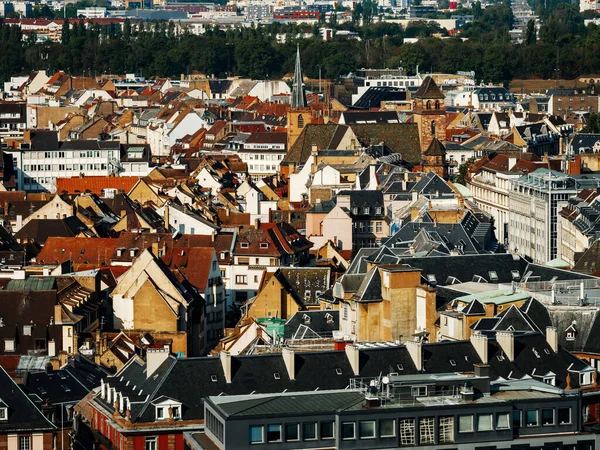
305	282
584	142
429	89
23	415
589	262
39	230
319	324
370	288
373	97
400	138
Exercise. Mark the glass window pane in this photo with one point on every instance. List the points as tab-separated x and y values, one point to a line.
484	422
446	430
348	430
465	424
292	432
564	416
327	430
273	433
256	434
502	421
309	430
548	416
367	429
531	418
387	428
516	419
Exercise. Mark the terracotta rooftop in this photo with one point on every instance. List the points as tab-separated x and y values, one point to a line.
95	184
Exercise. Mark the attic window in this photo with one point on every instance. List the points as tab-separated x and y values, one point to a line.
431	278
120	251
329	318
306	319
400	366
515	274
277	376
27	330
571	335
244	245
264	245
453	363
213	378
3	413
338	371
493	275
536	353
66	388
367	210
546	351
500	357
307	294
63	250
82	251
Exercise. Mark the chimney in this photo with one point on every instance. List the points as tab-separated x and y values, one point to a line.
353	356
552	338
481	370
289	358
506	340
415	349
480	344
154	358
257	223
167	227
226	364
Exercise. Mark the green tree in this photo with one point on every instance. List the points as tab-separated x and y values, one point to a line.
530	33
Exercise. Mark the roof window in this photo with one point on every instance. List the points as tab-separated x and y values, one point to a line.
493	275
213	378
338	371
277	376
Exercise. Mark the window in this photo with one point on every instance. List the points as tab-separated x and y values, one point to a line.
27	330
309	431
25	443
426	430
502	421
9	345
465	424
3	413
327	430
150	443
292	432
446	429
366	429
531	418
378	210
378	227
516	418
419	391
564	416
407	432
274	433
241	279
571	335
348	430
484	422
493	275
300	121
387	428
256	434
547	416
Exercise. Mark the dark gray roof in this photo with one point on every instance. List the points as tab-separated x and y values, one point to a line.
312	324
23	415
373	97
370	288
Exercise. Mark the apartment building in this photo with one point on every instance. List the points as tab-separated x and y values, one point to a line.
534	202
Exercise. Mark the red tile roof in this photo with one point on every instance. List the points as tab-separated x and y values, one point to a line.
95	184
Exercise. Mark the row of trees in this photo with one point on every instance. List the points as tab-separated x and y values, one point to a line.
563	47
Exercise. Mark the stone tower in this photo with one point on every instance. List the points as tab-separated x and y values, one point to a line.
430	113
434	159
299	115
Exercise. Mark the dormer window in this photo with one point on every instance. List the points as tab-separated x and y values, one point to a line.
355	211
3	410
515	274
306	319
493	275
329	318
307	294
132	252
244	245
264	245
367	210
378	210
571	332
120	252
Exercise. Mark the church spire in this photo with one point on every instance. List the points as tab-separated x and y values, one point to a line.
298	95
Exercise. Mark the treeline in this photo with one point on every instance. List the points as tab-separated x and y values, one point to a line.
563	48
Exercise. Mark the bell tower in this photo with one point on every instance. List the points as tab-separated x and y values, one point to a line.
299	114
434	159
430	113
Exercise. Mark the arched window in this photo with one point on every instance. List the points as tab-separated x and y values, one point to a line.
300	121
437	104
428	105
433	127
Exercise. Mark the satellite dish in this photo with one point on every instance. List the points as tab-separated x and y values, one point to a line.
385	380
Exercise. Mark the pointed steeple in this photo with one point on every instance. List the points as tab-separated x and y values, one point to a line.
298	95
